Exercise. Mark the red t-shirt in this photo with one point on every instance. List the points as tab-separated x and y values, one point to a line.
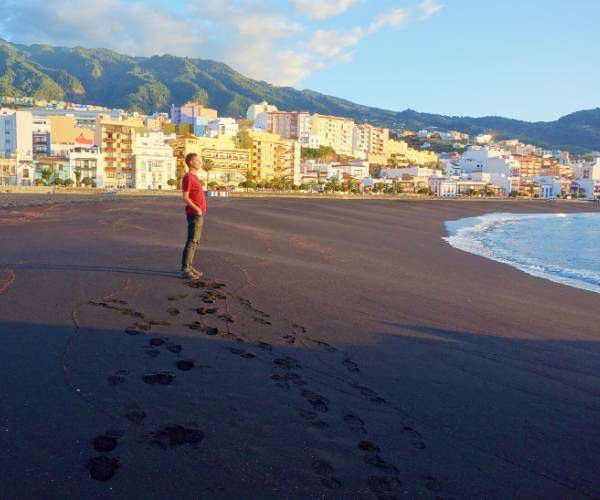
191	184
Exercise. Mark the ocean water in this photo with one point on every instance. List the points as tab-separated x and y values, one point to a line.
564	248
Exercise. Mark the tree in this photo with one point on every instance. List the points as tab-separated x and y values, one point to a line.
58	181
47	175
87	181
39	182
78	178
207	166
172	182
229	178
69	182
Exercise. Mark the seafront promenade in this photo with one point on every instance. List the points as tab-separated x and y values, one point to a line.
324	355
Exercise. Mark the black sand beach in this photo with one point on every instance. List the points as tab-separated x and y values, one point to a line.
337	349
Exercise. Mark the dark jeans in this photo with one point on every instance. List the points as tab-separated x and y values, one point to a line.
194	223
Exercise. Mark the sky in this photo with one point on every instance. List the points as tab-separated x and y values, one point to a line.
527	59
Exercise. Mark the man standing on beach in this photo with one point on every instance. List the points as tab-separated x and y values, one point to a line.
195	210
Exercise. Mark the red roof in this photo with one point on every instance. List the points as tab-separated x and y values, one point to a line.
83	140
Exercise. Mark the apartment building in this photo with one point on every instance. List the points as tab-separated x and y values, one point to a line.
333	131
291	125
255	109
116	139
271	156
154	161
370	143
189	111
229	163
87	160
16	133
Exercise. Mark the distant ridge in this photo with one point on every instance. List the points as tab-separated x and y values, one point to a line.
107	78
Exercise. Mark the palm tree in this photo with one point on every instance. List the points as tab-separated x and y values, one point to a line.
207	166
229	177
47	174
78	178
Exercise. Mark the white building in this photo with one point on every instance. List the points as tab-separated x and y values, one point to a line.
292	125
16	133
222	126
478	159
255	109
422	172
587	177
483	139
550	187
335	171
443	186
89	162
25	174
155	163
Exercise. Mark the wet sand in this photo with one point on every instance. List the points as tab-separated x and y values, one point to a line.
336	349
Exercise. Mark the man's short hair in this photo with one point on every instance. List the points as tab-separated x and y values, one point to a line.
189	157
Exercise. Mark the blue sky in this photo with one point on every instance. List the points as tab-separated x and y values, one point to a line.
528	59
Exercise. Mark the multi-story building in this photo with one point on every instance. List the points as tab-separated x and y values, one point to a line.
222	126
8	169
16	133
154	161
185	114
228	163
530	166
370	143
256	109
271	156
291	125
88	161
41	139
116	138
64	129
333	131
156	121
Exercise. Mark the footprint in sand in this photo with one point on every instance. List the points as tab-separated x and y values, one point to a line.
185	364
174	348
102	468
289	339
350	365
241	353
382	484
432	484
368	446
227	318
265	346
287	363
285	379
132	330
157	342
135	414
318	402
206	310
173	311
377	461
160	378
328	347
313	418
298	329
325	471
415	437
116	379
105	443
355	423
371	394
175	435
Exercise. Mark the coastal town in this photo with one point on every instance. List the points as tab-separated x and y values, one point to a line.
55	143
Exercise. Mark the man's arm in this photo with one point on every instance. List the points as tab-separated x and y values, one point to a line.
190	203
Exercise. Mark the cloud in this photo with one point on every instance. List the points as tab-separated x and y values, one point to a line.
395	19
428	8
322	9
258	39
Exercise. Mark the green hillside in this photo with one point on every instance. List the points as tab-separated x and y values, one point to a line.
104	77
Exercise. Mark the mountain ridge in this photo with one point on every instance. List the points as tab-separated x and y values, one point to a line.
105	77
